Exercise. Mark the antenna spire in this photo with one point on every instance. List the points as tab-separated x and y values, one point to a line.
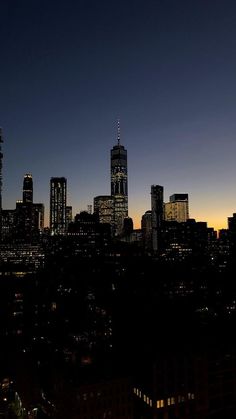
118	132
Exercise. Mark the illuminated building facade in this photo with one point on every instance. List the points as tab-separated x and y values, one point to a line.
58	192
8	224
104	209
177	209
119	184
38	217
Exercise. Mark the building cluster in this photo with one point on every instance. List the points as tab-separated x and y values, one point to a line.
26	221
98	327
166	229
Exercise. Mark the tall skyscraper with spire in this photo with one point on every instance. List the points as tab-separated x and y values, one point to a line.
119	183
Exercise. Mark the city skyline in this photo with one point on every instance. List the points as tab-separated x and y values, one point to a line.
167	71
137	221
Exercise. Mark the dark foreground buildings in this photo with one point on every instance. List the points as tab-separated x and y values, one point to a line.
98	320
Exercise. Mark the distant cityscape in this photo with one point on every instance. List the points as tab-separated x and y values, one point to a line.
100	320
160	225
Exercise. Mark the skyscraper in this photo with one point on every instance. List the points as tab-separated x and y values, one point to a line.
58	191
157	215
28	189
68	216
146	225
177	209
119	184
104	209
29	217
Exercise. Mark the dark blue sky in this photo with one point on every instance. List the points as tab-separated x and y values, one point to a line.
166	68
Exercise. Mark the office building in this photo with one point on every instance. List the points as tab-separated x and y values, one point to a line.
38	218
28	189
104	209
8	224
157	215
68	216
119	184
29	217
146	226
58	192
178	208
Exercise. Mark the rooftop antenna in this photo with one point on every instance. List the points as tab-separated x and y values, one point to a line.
118	132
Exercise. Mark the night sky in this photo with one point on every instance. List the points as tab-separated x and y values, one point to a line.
165	68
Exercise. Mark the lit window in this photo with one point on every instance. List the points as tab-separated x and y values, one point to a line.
172	400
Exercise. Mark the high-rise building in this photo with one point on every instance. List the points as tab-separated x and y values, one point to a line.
29	217
119	184
157	215
68	216
58	191
38	218
24	212
178	208
8	224
104	209
146	225
28	189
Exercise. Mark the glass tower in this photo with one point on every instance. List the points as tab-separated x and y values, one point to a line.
119	184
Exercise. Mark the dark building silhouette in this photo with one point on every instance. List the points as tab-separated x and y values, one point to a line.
68	216
88	231
8	224
58	196
119	184
29	217
24	221
38	218
157	215
1	157
180	240
28	189
146	226
128	226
